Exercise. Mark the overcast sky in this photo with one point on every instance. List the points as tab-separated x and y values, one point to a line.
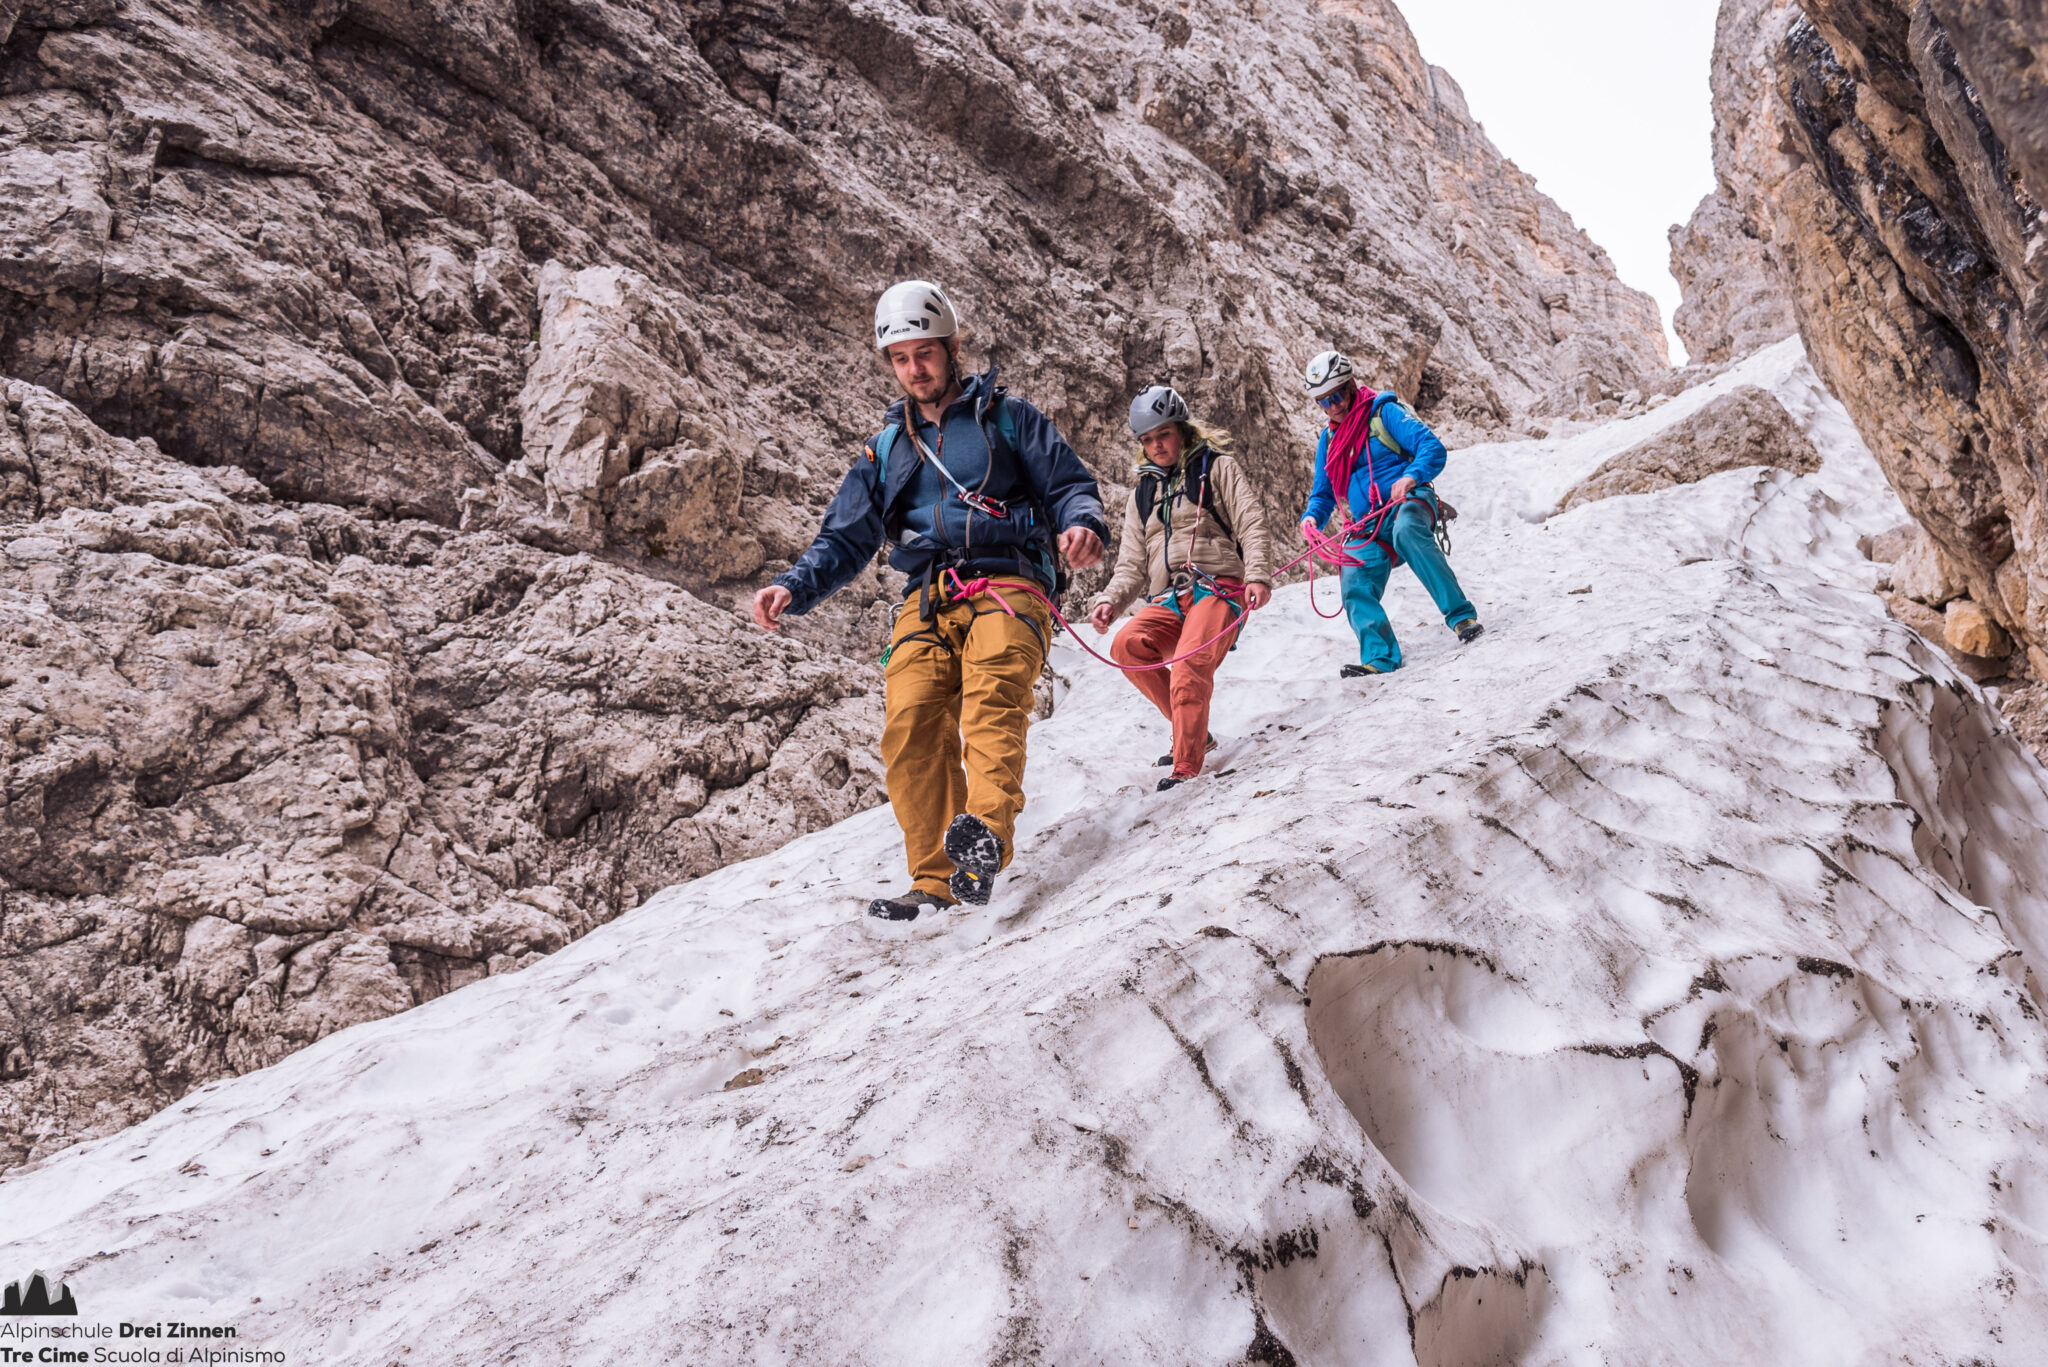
1605	102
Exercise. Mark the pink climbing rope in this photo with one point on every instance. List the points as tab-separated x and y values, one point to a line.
1328	549
1331	550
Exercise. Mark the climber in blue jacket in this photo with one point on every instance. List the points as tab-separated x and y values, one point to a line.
1380	453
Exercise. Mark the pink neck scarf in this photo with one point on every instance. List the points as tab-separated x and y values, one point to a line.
1348	441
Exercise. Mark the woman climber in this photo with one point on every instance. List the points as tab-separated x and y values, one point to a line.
1194	541
1383	458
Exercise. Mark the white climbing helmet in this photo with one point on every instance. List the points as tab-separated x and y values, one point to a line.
913	311
1327	373
1156	407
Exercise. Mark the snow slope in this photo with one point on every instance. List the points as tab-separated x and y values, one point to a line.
1651	982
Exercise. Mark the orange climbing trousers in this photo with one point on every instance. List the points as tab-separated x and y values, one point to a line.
958	700
1182	693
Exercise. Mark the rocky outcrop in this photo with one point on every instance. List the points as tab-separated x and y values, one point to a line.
1912	233
2025	707
273	769
1745	427
1725	258
1733	302
436	373
1927	590
313	240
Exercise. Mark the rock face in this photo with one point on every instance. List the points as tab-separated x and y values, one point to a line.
1745	427
1912	234
1725	259
313	240
399	391
273	769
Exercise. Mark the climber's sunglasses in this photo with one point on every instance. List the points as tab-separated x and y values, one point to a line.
1329	400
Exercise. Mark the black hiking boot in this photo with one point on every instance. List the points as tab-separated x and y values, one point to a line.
1469	631
977	856
1356	671
1170	783
1166	761
908	907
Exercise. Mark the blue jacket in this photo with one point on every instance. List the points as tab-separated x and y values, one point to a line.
1045	478
1422	462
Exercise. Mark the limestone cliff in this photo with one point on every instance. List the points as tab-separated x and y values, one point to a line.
401	392
1911	229
1724	258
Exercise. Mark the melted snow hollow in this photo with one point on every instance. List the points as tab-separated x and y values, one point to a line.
1651	982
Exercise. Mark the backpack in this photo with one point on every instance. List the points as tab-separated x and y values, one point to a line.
1152	480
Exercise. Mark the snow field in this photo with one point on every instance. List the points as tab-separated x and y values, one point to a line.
1653	981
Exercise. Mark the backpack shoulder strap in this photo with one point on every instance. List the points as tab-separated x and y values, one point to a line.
1206	499
1379	426
1150	481
1005	421
879	448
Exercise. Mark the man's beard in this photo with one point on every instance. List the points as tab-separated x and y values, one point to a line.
931	391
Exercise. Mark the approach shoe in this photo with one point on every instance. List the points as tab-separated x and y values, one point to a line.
1173	781
908	907
1469	631
1357	671
977	855
1166	761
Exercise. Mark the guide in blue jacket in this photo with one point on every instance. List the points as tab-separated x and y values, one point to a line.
1379	453
977	490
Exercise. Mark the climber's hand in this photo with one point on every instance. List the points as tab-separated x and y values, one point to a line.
769	605
1082	547
1100	616
1257	596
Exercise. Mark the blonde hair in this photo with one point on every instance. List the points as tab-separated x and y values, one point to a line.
1217	438
1193	434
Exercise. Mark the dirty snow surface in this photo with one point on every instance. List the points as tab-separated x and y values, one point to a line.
1653	981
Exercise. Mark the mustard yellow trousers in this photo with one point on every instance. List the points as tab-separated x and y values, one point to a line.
958	700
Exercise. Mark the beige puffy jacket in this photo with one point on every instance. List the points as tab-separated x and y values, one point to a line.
1173	535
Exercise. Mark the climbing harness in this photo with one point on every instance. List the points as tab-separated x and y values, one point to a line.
1330	550
971	587
933	598
1334	550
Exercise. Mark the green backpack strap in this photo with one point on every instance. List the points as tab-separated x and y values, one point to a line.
1380	432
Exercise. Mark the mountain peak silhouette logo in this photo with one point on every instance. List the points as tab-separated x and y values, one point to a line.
33	1298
